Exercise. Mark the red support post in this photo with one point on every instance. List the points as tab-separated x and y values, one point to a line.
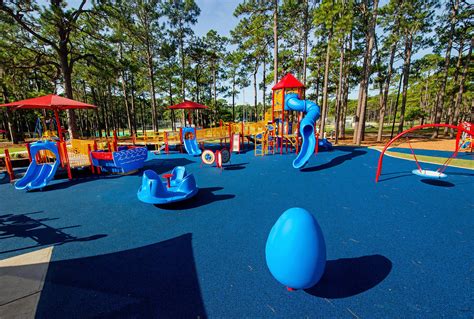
89	149
115	142
9	166
65	158
29	151
242	134
69	173
58	124
167	148
316	147
282	120
273	107
95	149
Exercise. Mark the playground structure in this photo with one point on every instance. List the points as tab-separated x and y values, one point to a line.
466	139
219	157
124	160
46	128
42	167
279	130
69	156
283	127
190	141
463	129
54	103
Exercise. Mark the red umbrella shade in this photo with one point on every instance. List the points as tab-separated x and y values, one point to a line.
187	105
51	101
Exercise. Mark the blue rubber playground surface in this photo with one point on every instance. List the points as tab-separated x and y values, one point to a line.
402	248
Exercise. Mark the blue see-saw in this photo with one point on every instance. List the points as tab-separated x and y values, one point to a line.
154	191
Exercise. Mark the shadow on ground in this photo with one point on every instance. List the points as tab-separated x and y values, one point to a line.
437	182
25	226
234	167
205	196
351	276
4	178
351	153
154	281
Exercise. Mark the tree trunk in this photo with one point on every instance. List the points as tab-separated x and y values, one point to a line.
367	71
406	74
324	110
255	87
458	104
151	74
132	103
99	123
386	87
127	107
66	70
318	72
233	98
275	42
396	105
442	89
183	75
339	92
173	116
264	87
450	115
305	38
345	97
12	128
214	88
143	116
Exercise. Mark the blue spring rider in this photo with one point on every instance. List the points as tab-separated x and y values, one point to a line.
295	250
180	186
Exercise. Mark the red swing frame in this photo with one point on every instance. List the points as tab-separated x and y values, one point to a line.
459	129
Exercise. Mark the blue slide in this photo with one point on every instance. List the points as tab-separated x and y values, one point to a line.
293	103
39	175
190	142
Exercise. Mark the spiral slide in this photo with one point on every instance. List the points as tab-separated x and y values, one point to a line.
293	103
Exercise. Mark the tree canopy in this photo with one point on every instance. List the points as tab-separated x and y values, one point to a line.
386	62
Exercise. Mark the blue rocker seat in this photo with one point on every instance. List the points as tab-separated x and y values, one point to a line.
179	172
154	191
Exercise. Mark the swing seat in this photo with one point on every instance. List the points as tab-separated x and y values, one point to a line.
429	174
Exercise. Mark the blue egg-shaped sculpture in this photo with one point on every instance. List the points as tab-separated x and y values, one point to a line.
295	250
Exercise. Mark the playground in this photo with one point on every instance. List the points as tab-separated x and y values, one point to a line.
179	226
391	249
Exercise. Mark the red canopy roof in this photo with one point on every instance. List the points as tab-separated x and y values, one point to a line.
51	101
288	81
187	105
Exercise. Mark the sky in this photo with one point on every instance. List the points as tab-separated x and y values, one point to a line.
217	15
